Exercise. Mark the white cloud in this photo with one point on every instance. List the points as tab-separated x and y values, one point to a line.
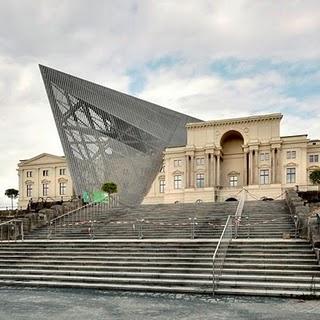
213	97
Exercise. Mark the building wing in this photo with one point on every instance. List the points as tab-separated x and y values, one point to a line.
111	136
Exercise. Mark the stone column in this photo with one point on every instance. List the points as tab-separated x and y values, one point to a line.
213	169
207	170
245	168
218	169
187	172
250	167
192	172
256	166
273	159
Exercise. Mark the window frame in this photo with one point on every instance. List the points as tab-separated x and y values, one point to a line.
62	187
177	181
233	181
45	173
177	163
45	189
264	176
314	158
291	154
29	190
291	176
200	180
162	185
62	171
264	156
200	161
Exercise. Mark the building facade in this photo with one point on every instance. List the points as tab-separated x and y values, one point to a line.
221	157
107	135
45	177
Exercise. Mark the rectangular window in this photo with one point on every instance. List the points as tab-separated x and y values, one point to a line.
199	161
200	180
62	172
177	182
45	189
233	181
291	154
62	188
291	175
177	163
264	176
313	158
29	190
45	173
162	184
264	156
29	174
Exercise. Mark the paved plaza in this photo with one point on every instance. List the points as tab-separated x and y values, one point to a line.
37	303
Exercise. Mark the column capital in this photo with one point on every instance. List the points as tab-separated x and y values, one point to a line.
245	148
253	147
190	153
274	146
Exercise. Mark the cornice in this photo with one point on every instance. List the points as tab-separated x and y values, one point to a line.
233	121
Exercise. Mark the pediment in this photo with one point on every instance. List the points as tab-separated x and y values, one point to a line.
233	173
177	172
264	166
62	180
313	168
291	164
45	181
43	158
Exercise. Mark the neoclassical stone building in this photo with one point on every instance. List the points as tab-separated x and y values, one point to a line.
44	177
223	156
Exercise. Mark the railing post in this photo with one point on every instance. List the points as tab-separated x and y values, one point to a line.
193	224
220	253
22	232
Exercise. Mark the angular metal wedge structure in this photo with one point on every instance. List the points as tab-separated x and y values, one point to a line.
111	136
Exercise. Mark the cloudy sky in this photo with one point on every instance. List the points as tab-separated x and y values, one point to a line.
211	59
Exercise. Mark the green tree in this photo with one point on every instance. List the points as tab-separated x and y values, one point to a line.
12	194
109	187
315	177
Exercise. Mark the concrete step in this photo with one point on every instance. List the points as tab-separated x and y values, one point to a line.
106	286
288	293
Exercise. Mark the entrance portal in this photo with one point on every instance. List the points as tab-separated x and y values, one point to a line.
232	165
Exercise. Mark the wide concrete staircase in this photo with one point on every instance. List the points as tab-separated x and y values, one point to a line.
272	267
203	220
265	259
266	219
162	266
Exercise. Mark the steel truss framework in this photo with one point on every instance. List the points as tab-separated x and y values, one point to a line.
110	136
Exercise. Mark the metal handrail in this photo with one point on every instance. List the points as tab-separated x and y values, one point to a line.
219	250
239	210
10	222
78	215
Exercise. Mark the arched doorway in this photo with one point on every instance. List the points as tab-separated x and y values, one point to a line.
231	199
232	165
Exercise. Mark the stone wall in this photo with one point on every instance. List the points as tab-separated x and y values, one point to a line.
34	220
306	219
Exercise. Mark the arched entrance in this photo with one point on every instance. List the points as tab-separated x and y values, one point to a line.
231	199
232	164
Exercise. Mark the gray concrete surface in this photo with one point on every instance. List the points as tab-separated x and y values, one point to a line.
35	303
